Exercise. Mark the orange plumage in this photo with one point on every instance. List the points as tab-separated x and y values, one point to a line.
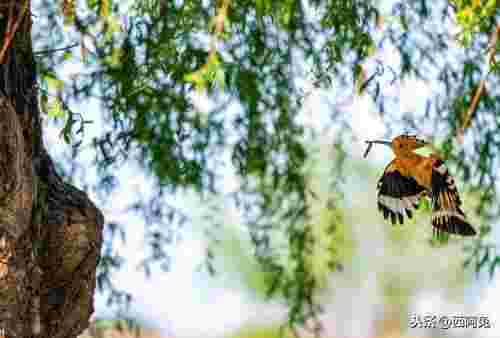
410	177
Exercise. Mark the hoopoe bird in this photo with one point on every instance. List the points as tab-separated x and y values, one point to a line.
410	177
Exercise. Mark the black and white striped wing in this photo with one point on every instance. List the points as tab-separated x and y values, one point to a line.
397	194
446	212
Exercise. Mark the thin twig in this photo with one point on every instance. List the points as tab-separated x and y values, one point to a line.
479	91
48	51
10	32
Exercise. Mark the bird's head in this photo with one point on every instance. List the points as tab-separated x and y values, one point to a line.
402	144
407	143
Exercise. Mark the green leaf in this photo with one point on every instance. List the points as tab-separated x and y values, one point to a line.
55	108
67	55
113	26
53	82
493	265
104	8
220	77
262	7
197	79
93	4
115	58
483	260
44	103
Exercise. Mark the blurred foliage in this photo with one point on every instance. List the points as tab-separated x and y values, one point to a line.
231	253
123	328
474	16
146	62
306	257
262	332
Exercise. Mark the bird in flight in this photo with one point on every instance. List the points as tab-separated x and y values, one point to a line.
410	177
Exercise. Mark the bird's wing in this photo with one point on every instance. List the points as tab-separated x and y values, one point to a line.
397	194
446	212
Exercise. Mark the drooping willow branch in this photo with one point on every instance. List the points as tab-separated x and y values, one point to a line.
50	51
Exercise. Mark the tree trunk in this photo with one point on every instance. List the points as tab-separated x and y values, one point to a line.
50	232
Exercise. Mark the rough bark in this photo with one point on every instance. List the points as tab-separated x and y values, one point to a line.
50	232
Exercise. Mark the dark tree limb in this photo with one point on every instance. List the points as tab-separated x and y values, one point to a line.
73	237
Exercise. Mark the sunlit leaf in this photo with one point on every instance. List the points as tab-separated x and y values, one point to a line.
67	55
115	58
54	83
104	8
55	108
44	103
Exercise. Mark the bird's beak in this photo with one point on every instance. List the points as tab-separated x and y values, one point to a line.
387	143
370	144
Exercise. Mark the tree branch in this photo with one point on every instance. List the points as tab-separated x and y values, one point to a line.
12	28
480	89
49	51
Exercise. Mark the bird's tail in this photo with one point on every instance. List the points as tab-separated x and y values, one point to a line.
447	214
452	221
